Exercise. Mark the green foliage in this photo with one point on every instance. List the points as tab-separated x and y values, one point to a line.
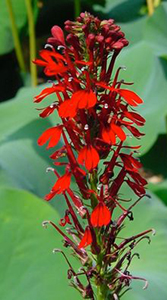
29	269
22	162
20	14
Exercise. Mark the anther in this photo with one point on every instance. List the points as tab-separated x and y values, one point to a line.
70	79
153	231
48	46
60	47
45	223
123	68
106	105
55	250
49	169
86	127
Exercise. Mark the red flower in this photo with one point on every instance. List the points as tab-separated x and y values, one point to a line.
100	216
110	133
87	238
65	220
130	163
82	99
138	189
136	118
48	91
62	184
58	36
52	134
90	156
131	98
48	111
53	62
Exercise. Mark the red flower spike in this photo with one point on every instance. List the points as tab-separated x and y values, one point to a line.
130	97
62	184
87	239
46	92
53	134
100	216
90	156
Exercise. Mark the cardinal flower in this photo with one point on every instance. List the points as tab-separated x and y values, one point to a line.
110	133
81	99
87	238
101	216
89	156
52	134
53	62
61	185
48	91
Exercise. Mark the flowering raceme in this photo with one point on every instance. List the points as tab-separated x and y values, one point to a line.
97	114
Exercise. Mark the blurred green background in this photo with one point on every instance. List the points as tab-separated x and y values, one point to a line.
28	269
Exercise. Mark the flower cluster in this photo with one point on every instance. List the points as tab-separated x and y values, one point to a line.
97	115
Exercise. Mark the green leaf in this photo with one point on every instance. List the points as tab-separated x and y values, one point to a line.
20	14
22	162
29	269
148	72
155	32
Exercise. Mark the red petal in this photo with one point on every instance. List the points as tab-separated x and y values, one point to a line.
67	109
47	111
53	134
90	156
62	183
108	136
84	99
100	216
135	131
119	132
130	97
136	118
58	34
87	239
46	92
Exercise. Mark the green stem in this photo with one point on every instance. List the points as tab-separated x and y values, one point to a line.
32	42
19	53
77	7
157	3
150	6
99	294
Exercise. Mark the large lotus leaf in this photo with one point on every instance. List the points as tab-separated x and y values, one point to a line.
160	189
29	269
155	32
148	72
119	9
20	111
22	162
20	15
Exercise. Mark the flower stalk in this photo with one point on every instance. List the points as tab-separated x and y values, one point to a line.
18	49
32	41
97	113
